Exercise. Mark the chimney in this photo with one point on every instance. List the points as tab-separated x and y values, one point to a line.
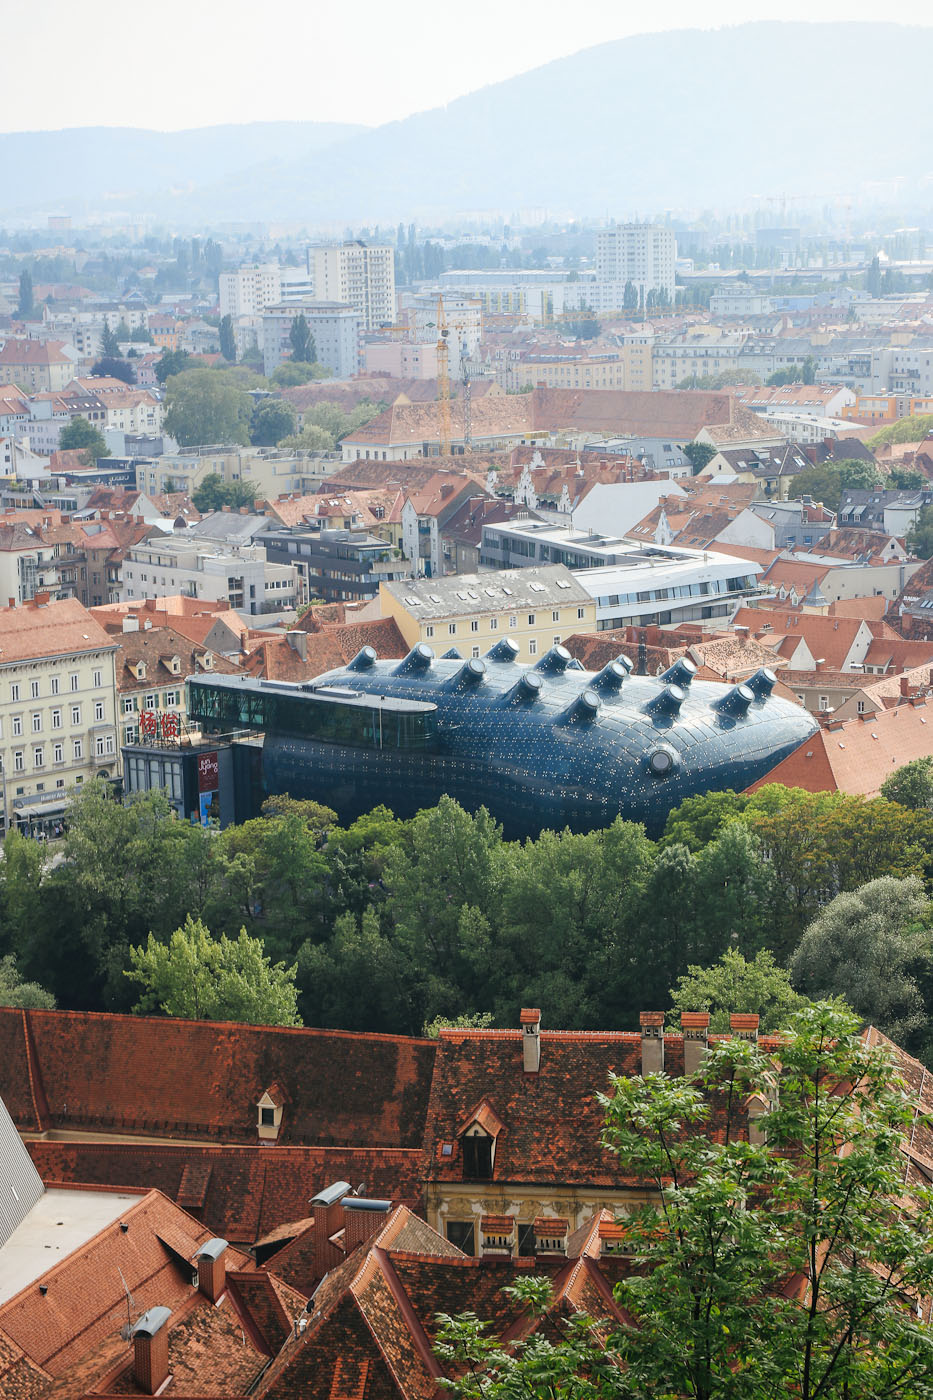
744	1027
497	1236
130	623
905	685
362	1219
212	1269
11	602
551	1235
42	598
328	1218
531	1039
298	641
652	1041
695	1027
150	1350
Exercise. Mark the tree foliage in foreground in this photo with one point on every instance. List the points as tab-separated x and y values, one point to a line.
757	1271
202	978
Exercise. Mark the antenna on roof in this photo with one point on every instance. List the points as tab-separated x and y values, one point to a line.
126	1331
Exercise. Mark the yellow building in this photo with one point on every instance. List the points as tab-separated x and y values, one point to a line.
57	708
537	607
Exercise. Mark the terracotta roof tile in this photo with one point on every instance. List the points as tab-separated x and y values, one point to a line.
60	628
856	756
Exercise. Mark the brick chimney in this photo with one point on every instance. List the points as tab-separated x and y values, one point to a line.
531	1039
212	1269
327	1213
42	598
150	1350
652	1041
744	1026
695	1027
362	1219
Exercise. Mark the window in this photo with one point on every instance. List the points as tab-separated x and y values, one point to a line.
58	753
98	678
14	693
474	625
129	734
452	628
98	709
17	726
38	758
526	1239
129	704
76	714
477	1157
78	748
531	619
860	707
34	689
267	1117
171	698
18	761
532	647
149	703
557	641
37	722
555	615
475	651
581	613
75	681
824	702
54	686
493	624
462	1234
513	620
99	746
429	631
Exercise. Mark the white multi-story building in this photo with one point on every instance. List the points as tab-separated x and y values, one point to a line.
360	274
464	317
249	290
335	326
58	725
239	575
642	254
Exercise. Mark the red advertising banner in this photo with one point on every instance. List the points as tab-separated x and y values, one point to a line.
208	772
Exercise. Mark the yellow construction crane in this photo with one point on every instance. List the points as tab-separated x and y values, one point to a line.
443	378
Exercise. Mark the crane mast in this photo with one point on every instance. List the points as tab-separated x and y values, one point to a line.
443	378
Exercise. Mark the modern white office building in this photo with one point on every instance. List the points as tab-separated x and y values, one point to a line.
642	254
238	575
632	584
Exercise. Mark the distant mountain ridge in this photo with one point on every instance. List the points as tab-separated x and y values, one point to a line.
687	119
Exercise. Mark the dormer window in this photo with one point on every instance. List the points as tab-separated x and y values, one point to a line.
478	1137
270	1109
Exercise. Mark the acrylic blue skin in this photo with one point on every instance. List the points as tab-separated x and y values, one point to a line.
567	748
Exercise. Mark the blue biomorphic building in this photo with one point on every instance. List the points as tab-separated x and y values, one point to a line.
548	745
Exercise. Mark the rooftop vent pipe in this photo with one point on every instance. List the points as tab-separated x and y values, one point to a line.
555	661
364	659
504	650
681	673
525	689
735	702
762	683
609	681
667	702
416	662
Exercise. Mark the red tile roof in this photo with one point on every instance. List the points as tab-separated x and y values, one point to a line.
856	756
32	352
63	628
130	1074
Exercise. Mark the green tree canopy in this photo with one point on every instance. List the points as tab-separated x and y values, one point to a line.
25	995
227	339
202	408
272	420
113	367
214	493
301	340
311	439
920	535
911	429
734	984
291	373
79	433
905	479
171	362
26	304
109	342
872	947
911	785
198	977
699	454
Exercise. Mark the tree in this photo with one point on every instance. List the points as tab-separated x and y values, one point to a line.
478	1021
699	455
873	278
171	362
214	493
758	986
227	339
903	479
201	408
198	977
911	785
856	474
290	373
786	1265
302	341
872	947
27	303
79	433
272	420
310	439
25	995
920	535
912	429
823	483
109	344
109	367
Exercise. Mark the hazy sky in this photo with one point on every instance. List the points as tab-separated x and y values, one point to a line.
180	63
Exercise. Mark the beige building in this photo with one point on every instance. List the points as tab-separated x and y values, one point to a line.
535	607
360	274
275	473
35	364
58	725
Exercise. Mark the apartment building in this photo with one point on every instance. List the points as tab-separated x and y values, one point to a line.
642	254
464	317
239	575
57	708
35	364
360	274
273	472
335	326
249	290
535	607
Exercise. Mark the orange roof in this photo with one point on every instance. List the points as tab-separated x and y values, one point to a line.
856	756
33	352
830	639
63	628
